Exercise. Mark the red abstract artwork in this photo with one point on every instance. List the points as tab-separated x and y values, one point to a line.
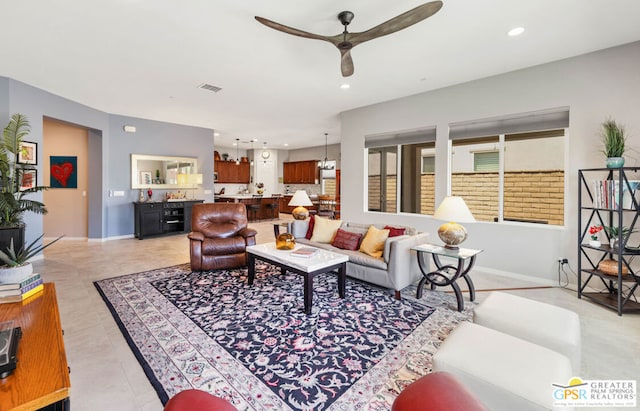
64	172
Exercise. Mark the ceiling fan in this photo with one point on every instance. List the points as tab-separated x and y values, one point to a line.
346	41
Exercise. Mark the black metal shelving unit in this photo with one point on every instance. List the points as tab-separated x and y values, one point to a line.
618	292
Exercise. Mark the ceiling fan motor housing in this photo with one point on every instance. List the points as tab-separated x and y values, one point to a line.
345	17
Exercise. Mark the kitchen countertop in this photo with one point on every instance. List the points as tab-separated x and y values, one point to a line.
241	196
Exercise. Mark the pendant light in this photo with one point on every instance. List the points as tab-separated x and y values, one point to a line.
325	163
237	156
252	151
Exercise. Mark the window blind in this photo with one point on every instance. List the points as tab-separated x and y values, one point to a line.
551	119
487	161
409	137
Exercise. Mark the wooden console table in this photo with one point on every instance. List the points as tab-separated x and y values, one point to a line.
41	378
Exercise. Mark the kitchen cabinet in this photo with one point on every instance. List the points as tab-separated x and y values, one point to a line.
300	172
230	172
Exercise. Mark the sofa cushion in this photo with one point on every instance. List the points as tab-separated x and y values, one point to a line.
312	220
324	229
395	231
355	228
373	242
362	228
356	257
346	240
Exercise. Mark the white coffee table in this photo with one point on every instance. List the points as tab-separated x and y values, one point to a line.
322	261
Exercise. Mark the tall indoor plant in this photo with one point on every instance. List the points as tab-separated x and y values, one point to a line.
613	138
13	201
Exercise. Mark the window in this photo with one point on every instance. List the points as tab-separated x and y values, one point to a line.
428	164
486	161
516	174
479	188
401	172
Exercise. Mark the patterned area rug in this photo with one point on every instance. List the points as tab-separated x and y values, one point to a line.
254	346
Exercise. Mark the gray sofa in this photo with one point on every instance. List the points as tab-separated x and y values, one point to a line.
398	267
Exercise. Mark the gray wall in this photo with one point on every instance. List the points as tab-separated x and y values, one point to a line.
594	86
155	138
109	152
4	101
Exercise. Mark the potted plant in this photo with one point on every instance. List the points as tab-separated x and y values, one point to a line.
613	139
593	232
13	196
614	234
16	265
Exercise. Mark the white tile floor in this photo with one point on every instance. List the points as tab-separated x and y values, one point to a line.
106	376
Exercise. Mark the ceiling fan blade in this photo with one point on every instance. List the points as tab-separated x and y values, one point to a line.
346	63
397	23
291	30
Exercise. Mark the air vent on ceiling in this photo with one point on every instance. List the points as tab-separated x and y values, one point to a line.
210	87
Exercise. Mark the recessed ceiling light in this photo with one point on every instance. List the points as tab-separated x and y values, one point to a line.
286	144
216	134
515	31
345	86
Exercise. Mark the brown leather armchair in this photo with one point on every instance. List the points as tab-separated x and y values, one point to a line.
219	236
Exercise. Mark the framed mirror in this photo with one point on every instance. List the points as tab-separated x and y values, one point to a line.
149	171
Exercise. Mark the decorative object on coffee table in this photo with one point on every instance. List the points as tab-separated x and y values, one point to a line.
285	241
454	210
299	200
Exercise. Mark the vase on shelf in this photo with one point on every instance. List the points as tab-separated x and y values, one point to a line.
595	243
615	162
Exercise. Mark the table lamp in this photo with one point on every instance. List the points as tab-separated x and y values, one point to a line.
454	210
299	200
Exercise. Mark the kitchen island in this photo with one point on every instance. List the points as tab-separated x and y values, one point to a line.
258	207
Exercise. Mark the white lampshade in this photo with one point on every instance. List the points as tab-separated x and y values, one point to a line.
300	198
182	179
453	210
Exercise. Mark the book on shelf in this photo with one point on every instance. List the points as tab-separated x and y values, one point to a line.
606	193
16	286
21	297
304	252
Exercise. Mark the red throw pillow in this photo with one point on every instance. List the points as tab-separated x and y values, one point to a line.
394	231
312	222
346	240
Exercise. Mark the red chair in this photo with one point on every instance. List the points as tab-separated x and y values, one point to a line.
438	391
196	400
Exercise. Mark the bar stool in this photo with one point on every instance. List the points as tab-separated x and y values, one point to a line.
254	208
272	209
